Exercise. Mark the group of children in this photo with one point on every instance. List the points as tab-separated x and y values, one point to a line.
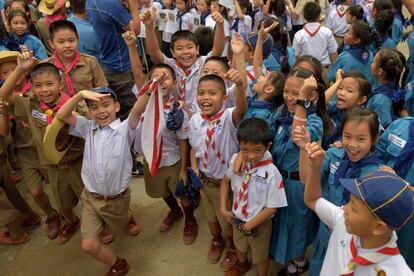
271	131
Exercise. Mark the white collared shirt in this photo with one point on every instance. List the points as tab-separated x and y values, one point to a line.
226	142
335	22
170	143
265	189
107	160
315	40
339	254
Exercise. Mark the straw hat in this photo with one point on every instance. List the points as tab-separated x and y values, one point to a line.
49	7
6	56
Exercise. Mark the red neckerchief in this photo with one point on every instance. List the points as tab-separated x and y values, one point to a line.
312	34
183	74
50	111
212	122
250	75
341	10
66	71
243	195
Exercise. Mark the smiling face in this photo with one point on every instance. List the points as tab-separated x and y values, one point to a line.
202	6
46	87
210	97
18	25
65	43
168	84
291	92
185	52
104	111
252	152
356	139
348	94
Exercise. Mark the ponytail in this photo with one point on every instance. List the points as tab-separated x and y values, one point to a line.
284	58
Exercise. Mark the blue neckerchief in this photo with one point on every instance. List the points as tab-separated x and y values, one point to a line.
12	42
203	18
409	22
385	89
180	19
406	157
361	53
175	117
355	168
253	102
235	25
339	114
286	121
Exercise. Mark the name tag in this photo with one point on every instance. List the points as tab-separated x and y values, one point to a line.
397	140
39	115
260	181
333	167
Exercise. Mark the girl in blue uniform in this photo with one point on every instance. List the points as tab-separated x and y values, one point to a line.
398	23
282	57
293	229
396	145
349	91
356	158
355	55
388	98
383	25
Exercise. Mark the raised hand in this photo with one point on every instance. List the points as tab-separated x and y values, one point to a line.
315	155
234	76
216	16
301	136
310	84
148	17
130	37
237	44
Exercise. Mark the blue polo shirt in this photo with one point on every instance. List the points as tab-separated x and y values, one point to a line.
108	18
88	42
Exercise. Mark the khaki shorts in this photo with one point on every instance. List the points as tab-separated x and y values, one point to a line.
164	182
34	174
66	184
7	211
259	244
210	198
97	213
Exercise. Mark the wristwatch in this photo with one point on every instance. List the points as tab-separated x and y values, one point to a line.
304	103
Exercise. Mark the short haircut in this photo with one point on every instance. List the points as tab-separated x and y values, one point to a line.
78	6
219	60
183	35
255	131
162	66
43	68
215	78
61	25
244	4
311	11
205	39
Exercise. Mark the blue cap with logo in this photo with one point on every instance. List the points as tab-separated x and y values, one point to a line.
386	195
105	90
251	40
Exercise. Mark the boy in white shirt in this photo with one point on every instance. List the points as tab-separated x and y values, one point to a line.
257	193
242	22
106	168
314	39
363	239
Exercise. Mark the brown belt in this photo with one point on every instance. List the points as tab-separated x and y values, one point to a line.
109	197
210	182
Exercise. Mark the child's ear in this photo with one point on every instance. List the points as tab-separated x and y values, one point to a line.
117	106
51	44
380	228
172	52
269	145
362	100
314	96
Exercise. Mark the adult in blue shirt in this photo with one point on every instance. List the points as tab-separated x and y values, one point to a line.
109	19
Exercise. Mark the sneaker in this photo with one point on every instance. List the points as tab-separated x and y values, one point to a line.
214	251
137	169
239	269
299	269
120	270
229	260
133	227
68	231
31	220
7	238
170	220
53	226
190	232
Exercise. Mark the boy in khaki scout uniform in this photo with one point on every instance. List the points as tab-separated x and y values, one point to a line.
106	169
38	109
33	173
9	216
79	71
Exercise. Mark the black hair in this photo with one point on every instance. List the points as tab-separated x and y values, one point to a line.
321	103
15	13
78	6
23	2
205	39
362	31
215	78
183	35
280	37
357	11
311	11
224	12
220	60
43	68
383	25
277	8
397	4
61	25
316	65
162	66
244	4
360	114
363	83
382	5
255	131
277	80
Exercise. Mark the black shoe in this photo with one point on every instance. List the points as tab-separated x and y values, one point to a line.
299	269
138	169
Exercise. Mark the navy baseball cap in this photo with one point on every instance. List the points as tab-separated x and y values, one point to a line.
105	90
386	195
251	40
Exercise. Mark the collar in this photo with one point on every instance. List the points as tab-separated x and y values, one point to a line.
114	125
263	170
391	243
